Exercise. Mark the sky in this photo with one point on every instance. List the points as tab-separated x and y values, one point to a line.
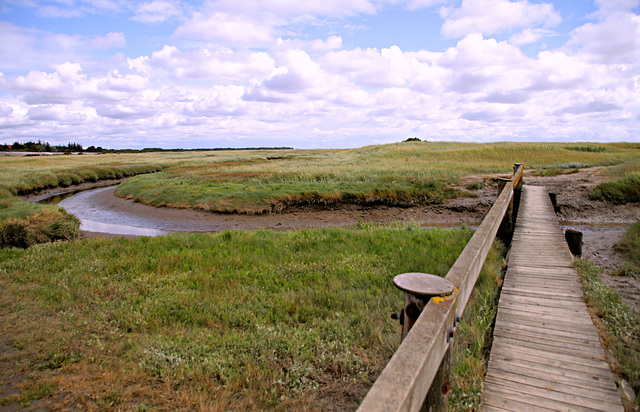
317	74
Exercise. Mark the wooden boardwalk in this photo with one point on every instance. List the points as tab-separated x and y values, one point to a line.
546	352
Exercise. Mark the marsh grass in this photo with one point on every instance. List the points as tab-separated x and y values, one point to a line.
23	224
618	325
236	320
629	246
623	184
621	190
401	174
259	181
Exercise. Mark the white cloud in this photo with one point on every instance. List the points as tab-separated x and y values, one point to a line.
108	41
371	67
496	16
157	11
529	36
423	4
614	39
288	72
220	65
608	6
226	29
332	43
48	113
293	8
5	110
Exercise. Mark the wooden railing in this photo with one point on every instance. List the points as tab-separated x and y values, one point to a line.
408	377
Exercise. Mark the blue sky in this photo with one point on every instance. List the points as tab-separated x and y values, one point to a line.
317	74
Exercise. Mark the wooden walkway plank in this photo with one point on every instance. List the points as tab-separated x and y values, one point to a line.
546	352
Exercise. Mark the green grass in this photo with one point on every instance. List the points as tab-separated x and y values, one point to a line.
400	174
618	325
621	190
258	181
629	246
23	224
240	320
623	184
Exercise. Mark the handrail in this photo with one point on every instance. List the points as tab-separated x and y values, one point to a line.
405	381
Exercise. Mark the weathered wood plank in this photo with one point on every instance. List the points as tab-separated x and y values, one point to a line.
524	353
549	394
518	397
574	372
546	352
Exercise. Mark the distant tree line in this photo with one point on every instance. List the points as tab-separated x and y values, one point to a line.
40	146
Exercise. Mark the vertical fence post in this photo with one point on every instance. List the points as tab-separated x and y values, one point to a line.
517	192
438	396
418	289
506	227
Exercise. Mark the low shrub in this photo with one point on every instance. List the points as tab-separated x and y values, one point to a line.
629	246
621	190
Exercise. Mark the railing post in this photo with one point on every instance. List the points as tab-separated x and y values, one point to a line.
505	233
517	192
418	289
506	227
438	396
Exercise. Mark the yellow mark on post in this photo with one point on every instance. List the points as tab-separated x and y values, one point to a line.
441	299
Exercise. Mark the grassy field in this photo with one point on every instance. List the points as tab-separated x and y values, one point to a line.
257	181
243	320
399	175
236	320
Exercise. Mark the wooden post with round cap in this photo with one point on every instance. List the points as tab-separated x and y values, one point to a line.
418	289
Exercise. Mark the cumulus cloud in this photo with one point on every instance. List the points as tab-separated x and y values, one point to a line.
529	36
496	16
45	113
332	43
608	6
614	39
238	70
5	110
372	67
588	107
220	64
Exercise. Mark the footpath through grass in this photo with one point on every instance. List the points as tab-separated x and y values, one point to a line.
236	320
